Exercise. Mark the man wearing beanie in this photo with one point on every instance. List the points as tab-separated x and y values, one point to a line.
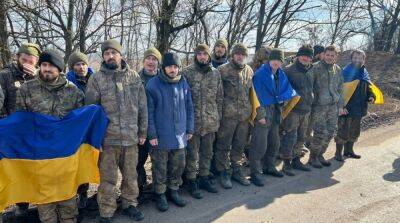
234	128
294	126
272	88
15	74
207	93
318	53
50	93
151	65
79	70
121	93
220	54
328	103
171	125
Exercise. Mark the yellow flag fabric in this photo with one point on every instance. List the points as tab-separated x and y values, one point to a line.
289	106
350	87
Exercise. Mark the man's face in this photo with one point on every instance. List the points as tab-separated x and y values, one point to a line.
150	64
81	69
219	50
358	60
24	58
275	64
202	57
112	58
48	72
305	60
172	71
240	58
330	57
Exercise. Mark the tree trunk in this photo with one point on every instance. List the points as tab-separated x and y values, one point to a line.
259	37
5	55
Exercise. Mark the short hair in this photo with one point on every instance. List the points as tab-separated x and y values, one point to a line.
332	48
357	51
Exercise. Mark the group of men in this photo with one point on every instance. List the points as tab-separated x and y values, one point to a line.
194	122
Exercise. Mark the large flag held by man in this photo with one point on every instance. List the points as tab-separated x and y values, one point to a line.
44	159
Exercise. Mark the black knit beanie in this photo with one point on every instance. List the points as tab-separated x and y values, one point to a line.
53	57
170	59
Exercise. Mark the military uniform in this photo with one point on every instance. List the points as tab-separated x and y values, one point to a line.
122	95
56	99
328	85
207	94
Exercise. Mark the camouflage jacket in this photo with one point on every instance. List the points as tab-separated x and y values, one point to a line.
11	79
56	99
236	83
328	84
122	95
207	95
1	98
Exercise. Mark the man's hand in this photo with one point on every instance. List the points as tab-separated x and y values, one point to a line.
142	141
154	142
371	100
189	136
29	69
343	111
262	121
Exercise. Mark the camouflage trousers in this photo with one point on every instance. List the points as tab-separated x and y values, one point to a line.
62	211
265	145
293	135
167	168
200	150
324	127
111	159
349	129
231	140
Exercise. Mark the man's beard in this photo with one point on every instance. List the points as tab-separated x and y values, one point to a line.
218	55
112	65
47	78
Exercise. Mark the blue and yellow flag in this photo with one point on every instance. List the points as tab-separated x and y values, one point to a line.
352	77
44	159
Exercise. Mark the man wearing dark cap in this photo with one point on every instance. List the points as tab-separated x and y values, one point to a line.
121	93
171	125
79	70
206	87
151	68
220	54
15	74
294	126
272	88
52	94
318	53
236	109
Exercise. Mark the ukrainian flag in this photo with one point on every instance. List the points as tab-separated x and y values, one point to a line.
44	159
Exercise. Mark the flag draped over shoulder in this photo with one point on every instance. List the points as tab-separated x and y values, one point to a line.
352	77
44	159
264	91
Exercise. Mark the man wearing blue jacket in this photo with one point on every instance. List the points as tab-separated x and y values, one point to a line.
171	125
79	70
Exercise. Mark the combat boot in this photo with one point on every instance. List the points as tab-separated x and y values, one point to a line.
161	202
314	162
323	161
298	165
287	168
176	198
271	169
339	152
206	184
193	189
255	178
103	220
133	213
349	151
239	177
225	179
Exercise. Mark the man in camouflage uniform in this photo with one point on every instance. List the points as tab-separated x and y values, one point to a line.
121	93
328	102
207	93
233	133
151	64
52	94
1	98
294	126
11	79
220	54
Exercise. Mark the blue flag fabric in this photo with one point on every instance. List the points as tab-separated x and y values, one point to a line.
351	73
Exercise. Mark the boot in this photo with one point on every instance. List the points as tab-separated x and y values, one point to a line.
176	198
338	153
298	165
161	202
313	161
240	178
287	168
349	151
271	169
225	179
206	184
103	220
133	213
193	189
323	161
255	178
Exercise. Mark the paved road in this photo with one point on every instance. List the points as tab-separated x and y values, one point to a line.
366	190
